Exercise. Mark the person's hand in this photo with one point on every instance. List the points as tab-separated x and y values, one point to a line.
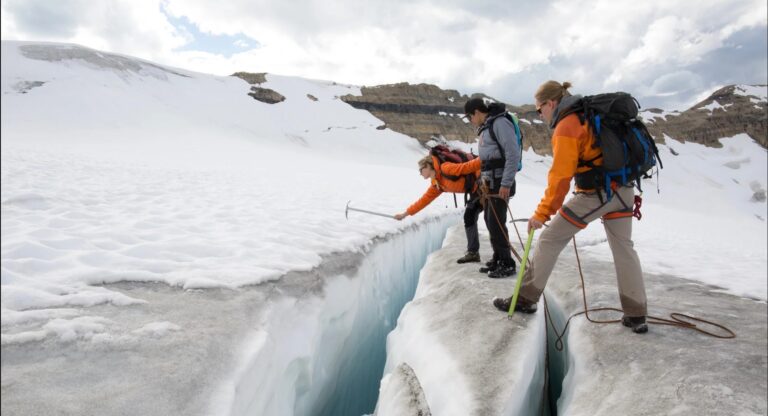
534	224
400	216
504	192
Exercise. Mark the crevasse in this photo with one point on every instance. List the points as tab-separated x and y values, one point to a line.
323	353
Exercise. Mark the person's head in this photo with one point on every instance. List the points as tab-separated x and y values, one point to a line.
548	96
476	111
427	167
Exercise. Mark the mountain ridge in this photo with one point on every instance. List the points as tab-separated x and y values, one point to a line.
395	104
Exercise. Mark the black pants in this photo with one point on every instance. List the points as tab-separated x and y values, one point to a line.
471	213
497	226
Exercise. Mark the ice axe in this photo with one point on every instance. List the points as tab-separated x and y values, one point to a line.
346	212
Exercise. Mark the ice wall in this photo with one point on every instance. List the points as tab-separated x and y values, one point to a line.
323	353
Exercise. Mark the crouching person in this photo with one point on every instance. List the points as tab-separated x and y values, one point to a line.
572	142
456	178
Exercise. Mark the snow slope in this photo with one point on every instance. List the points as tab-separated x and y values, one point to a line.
142	174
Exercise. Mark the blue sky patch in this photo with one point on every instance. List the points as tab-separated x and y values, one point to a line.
226	45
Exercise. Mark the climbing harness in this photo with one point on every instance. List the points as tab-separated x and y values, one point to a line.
638	203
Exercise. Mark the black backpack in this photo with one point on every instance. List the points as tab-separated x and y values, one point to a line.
443	154
628	150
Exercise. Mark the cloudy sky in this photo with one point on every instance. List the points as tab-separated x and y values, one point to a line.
669	53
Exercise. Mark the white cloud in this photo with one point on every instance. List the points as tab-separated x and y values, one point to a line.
124	26
467	45
668	41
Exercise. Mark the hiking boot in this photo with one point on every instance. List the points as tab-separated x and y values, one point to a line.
470	257
502	269
489	266
637	323
522	305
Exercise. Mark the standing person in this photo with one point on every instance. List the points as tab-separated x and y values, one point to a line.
439	183
572	143
500	155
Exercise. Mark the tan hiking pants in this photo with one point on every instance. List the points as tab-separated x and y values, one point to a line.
575	214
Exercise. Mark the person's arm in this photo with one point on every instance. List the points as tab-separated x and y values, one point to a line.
565	159
459	169
426	199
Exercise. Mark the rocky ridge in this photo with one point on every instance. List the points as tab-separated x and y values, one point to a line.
425	111
728	111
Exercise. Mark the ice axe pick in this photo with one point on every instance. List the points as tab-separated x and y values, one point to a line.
346	212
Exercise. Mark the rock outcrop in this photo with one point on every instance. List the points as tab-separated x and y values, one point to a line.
728	111
264	95
252	77
421	111
426	111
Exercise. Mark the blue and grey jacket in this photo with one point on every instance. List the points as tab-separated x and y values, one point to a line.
492	153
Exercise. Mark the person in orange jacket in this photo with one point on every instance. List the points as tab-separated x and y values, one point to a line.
439	184
572	142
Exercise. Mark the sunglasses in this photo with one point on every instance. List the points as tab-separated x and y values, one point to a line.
538	109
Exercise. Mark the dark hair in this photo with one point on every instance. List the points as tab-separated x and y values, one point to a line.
475	104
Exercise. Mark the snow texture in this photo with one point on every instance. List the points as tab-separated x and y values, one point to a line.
669	370
760	92
650	116
402	394
714	105
471	360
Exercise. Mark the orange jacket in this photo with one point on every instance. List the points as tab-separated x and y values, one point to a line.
571	142
441	184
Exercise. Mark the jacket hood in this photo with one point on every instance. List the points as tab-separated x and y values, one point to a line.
495	110
565	103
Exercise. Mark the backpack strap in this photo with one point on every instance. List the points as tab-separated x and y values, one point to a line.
469	178
518	134
493	136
